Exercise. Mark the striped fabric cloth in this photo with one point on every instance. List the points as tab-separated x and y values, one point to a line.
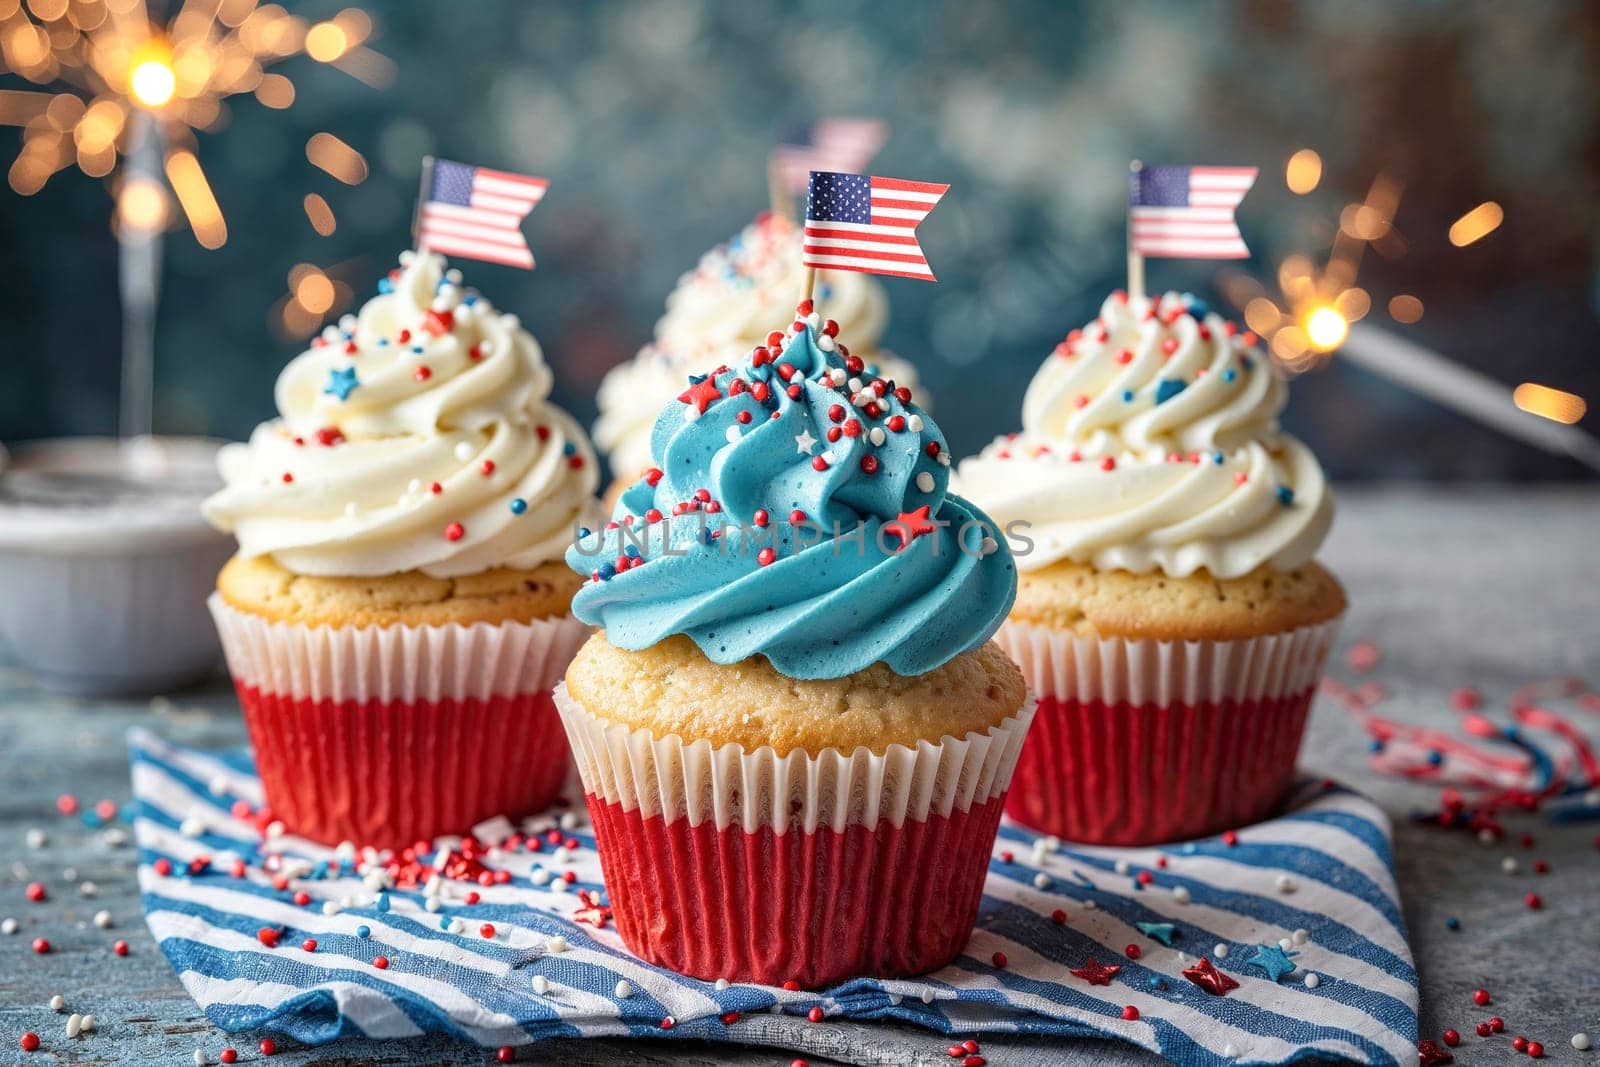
1316	884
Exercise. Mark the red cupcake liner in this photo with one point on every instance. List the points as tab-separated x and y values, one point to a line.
385	736
1143	742
1123	775
755	867
389	773
814	908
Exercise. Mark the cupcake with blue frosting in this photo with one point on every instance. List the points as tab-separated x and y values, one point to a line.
793	730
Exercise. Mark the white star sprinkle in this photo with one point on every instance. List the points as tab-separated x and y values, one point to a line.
803	442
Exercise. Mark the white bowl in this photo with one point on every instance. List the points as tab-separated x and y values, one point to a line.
105	562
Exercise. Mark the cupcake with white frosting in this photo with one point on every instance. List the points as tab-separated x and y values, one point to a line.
1170	613
719	311
398	610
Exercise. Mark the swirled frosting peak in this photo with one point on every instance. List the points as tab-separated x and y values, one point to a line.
1149	441
717	313
797	509
414	436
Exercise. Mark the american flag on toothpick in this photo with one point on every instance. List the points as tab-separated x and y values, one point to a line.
835	144
1187	212
866	223
476	212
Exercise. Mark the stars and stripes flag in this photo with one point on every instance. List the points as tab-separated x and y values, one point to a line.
866	223
1187	212
476	212
835	144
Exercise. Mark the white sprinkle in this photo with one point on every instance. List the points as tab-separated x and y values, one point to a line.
58	1003
218	785
691	413
722	983
1486	836
1089	905
814	320
88	1024
876	435
988	547
1312	981
570	820
36	838
733	434
944	459
1181	894
8	926
115	837
192	827
914	422
331	907
1509	865
557	944
275	828
855	385
102	919
200	1057
463	451
346	850
453	276
624	989
1285	943
432	904
1284	883
1580	1041
1121	866
825	342
1052	843
541	984
510	322
927	996
69	874
1041	881
1301	936
925	481
89	889
540	877
458	926
1229	1051
559	885
895	999
1220	951
562	855
433	887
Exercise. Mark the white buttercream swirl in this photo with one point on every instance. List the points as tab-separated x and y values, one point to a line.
1149	441
717	314
445	458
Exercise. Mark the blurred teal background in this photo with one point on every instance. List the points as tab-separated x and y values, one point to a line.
653	119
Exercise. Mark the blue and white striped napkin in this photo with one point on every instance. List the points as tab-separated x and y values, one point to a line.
1314	888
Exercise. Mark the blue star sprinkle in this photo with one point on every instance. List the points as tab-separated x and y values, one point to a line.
1167	388
1162	932
342	381
1273	960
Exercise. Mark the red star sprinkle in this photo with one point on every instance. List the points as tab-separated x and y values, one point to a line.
1096	973
592	911
1430	1054
910	526
1205	975
701	394
438	323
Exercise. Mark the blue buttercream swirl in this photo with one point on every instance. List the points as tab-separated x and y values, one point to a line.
798	510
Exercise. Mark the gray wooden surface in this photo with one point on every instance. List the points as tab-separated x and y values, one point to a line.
1487	587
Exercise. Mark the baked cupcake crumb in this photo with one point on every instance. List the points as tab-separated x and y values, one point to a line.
261	587
1078	598
672	688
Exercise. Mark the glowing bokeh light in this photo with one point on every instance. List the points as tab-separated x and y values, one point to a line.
151	79
1476	224
1553	404
1303	172
142	205
1405	308
1326	329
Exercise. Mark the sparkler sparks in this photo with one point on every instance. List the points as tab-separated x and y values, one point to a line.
106	69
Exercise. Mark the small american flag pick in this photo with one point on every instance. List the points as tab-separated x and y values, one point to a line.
866	223
836	144
1187	212
477	213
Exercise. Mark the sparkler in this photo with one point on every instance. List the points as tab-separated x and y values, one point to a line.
1317	311
118	84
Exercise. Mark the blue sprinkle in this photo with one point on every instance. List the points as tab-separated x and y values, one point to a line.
1452	923
444	922
383	342
1285	495
383	902
518	505
470	299
1219	459
1157	983
632	551
416	349
826	292
385	285
363	930
1435	758
1376	745
1190	849
92	819
1198	308
1127	396
1229	375
583	531
608	571
1246	362
1167	388
1138	887
568	449
706	537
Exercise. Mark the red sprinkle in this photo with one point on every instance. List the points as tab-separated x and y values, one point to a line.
1519	1043
268	1047
1058	917
163	866
120	948
1452	1038
454	532
729	1018
422	374
29	1042
1465	699
792	986
66	804
815	1015
268	936
1130	1013
1533	901
1484	1029
302	898
1230	838
668	1022
1133	952
1535	1049
1497	1024
487	467
229	1056
1480	997
506	1054
974	1061
999	959
382	963
41	946
35	892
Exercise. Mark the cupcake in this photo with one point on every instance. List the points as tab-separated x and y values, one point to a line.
718	312
1170	615
794	732
398	610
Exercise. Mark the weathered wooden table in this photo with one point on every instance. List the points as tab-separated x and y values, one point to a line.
1491	588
